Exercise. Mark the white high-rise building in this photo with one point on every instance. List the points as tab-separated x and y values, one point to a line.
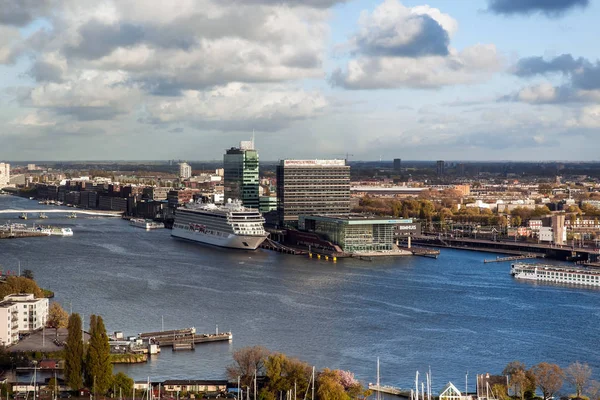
185	171
4	175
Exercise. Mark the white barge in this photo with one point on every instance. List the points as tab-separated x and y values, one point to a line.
556	274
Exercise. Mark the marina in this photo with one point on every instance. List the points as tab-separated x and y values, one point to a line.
410	311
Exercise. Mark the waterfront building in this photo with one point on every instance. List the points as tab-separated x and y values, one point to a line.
194	386
353	232
33	312
185	171
312	187
21	313
4	175
240	174
156	193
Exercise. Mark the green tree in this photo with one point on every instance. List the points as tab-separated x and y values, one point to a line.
57	317
330	387
284	373
27	274
98	368
74	354
122	383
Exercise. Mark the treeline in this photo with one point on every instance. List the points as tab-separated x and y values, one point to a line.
286	377
548	379
12	284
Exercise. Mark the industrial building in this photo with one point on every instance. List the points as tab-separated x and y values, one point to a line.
353	232
240	170
311	187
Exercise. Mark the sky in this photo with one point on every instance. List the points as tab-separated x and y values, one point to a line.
377	79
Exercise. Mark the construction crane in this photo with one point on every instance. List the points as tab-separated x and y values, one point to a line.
348	155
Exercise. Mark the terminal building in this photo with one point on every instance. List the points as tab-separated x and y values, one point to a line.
240	174
311	187
354	232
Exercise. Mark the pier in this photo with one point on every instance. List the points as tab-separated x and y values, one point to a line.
66	211
513	258
182	339
396	391
274	246
556	252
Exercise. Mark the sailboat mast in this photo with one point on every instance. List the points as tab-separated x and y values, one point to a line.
313	384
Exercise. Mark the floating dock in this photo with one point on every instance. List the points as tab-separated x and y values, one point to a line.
180	339
511	258
396	391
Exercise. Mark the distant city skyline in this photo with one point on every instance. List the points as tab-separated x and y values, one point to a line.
477	80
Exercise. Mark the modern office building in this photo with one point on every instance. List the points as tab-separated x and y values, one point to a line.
240	174
440	168
4	175
397	164
312	187
185	171
353	232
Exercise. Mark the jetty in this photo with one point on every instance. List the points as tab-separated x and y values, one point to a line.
393	390
183	339
512	258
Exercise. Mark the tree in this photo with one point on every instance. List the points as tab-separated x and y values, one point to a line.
74	354
548	378
578	375
330	387
284	373
57	317
246	362
122	383
98	367
594	390
520	380
27	273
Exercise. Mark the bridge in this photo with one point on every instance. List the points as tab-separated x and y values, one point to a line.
66	211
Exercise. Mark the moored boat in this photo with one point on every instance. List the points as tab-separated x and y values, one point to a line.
556	274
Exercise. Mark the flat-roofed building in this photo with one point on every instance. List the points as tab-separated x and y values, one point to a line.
32	313
241	174
312	187
355	232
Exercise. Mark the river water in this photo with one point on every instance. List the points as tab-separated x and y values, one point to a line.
455	314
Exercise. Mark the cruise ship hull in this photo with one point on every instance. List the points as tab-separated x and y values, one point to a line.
231	241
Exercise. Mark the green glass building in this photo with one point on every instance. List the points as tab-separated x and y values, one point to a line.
240	174
353	233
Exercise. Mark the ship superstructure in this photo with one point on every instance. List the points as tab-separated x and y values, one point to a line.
230	225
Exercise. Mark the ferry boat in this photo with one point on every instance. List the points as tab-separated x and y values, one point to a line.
146	223
231	225
556	274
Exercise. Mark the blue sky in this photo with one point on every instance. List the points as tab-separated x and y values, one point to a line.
456	80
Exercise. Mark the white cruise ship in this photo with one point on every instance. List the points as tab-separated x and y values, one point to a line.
145	223
230	225
556	274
